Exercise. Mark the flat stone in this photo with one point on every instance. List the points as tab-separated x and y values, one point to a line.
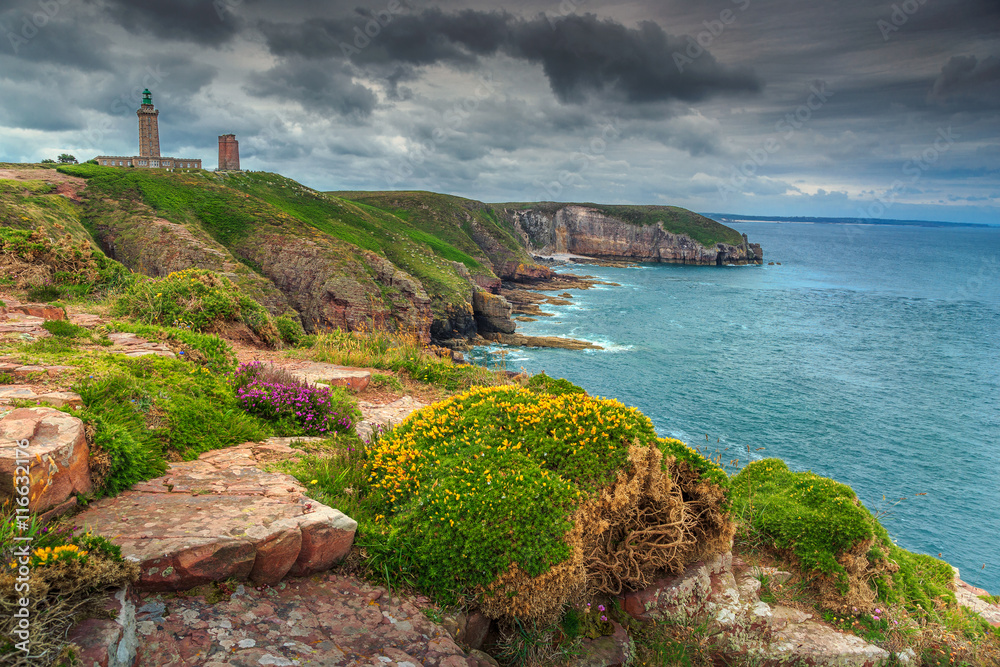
56	455
782	616
331	375
61	399
812	643
220	517
51	371
10	392
39	310
773	574
88	320
386	414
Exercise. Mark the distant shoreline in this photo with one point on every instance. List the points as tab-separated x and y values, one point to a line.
733	219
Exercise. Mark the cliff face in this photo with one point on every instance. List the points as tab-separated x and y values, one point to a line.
583	230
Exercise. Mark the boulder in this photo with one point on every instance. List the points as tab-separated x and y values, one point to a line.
56	455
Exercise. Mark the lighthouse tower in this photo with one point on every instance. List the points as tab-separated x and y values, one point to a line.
149	130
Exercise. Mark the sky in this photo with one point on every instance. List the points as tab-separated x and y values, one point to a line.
852	108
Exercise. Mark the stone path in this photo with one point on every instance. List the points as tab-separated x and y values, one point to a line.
23	392
324	620
389	414
220	517
135	346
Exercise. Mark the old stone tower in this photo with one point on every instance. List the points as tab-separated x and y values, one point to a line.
149	130
229	153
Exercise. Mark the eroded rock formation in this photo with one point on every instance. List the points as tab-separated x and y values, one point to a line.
583	230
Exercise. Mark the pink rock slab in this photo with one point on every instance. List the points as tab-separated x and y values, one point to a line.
56	455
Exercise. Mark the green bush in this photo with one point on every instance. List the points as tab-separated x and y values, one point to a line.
199	300
290	329
44	293
486	494
64	329
544	383
834	537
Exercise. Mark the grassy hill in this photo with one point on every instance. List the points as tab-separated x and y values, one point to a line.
406	260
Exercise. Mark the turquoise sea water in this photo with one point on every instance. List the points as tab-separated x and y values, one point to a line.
871	355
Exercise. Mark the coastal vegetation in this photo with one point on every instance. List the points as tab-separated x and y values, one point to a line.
522	497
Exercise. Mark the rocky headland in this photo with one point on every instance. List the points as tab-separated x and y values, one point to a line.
444	268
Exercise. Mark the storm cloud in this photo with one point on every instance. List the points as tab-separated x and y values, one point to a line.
581	55
753	106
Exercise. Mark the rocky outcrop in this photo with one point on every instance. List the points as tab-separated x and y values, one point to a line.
157	247
583	230
492	313
52	445
333	285
723	592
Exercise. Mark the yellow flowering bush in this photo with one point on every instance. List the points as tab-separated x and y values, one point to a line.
63	553
496	493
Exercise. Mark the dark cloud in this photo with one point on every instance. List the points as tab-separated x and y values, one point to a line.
963	75
208	22
581	55
316	85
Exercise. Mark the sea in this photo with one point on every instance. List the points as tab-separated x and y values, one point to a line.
866	353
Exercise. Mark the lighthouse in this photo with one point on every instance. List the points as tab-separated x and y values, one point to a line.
149	128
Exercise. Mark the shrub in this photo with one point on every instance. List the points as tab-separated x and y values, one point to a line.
524	500
265	391
290	329
199	300
69	573
823	526
43	293
64	329
143	410
544	383
47	267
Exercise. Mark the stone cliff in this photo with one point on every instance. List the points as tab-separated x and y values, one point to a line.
586	230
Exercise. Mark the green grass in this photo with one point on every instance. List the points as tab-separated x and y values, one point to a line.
818	521
196	299
64	329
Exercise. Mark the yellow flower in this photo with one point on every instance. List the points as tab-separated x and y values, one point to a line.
315	481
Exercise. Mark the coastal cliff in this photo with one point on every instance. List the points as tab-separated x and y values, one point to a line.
420	262
588	230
